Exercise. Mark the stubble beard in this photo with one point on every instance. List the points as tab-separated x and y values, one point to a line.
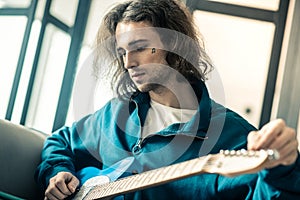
159	81
149	87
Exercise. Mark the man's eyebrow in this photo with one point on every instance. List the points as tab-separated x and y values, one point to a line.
133	43
137	41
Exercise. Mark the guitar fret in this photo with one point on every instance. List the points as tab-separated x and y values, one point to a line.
134	181
191	167
142	178
180	168
118	185
171	170
104	190
163	174
121	185
157	176
110	188
122	182
98	191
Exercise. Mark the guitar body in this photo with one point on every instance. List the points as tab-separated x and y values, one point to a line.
91	177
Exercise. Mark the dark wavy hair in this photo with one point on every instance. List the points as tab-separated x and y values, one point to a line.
193	62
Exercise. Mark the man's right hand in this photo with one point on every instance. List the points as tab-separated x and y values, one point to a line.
61	186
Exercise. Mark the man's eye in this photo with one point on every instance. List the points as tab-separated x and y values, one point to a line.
140	48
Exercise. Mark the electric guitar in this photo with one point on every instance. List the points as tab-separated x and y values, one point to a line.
103	184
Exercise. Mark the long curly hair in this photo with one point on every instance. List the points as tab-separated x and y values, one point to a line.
193	62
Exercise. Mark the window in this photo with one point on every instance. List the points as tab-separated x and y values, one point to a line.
240	49
15	4
244	39
26	69
48	80
101	93
42	41
11	37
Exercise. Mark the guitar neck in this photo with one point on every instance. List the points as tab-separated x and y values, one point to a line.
150	178
228	163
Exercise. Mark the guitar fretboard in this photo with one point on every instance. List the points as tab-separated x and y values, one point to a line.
150	178
228	163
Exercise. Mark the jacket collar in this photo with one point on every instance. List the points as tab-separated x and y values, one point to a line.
199	123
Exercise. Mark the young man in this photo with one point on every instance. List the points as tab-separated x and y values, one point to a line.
163	114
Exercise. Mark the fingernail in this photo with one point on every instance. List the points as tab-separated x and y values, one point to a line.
72	189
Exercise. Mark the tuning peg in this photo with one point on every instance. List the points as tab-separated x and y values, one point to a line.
242	152
273	154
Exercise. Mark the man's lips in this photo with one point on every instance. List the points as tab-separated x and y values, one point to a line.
136	75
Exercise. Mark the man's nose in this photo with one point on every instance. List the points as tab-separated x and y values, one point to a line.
129	60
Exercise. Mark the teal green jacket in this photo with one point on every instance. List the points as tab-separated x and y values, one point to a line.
114	133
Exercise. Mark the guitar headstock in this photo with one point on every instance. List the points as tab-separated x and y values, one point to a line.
233	163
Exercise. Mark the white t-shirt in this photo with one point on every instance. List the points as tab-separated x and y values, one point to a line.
160	116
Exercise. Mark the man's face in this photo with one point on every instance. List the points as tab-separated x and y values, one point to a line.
147	68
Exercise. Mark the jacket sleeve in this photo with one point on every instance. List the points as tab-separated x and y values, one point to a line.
282	182
64	151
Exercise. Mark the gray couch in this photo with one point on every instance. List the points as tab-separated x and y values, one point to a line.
19	156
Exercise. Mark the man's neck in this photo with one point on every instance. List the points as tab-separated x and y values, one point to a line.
180	96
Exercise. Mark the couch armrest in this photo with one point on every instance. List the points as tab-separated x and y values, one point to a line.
20	150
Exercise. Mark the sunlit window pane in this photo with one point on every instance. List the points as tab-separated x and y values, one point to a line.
48	82
14	3
11	37
39	13
97	11
240	49
103	92
27	67
64	10
97	91
85	52
262	4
